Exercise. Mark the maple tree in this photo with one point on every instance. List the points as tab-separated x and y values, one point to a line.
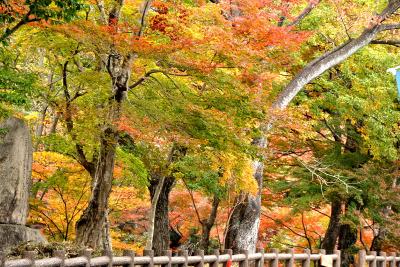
146	110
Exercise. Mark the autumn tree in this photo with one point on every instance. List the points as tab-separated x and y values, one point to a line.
312	70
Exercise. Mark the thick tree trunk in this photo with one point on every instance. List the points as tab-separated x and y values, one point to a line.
244	221
347	238
161	238
89	227
332	233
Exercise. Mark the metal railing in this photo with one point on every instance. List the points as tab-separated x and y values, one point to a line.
129	259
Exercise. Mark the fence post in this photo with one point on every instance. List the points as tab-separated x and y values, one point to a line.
200	253
397	262
275	261
229	252
109	254
384	262
307	261
30	255
290	262
362	258
167	253
131	255
321	252
2	258
393	260
184	254
149	253
61	255
215	263
373	262
260	262
244	263
338	258
87	253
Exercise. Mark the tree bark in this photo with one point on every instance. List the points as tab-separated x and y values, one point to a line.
208	224
153	209
89	227
161	238
40	126
332	233
347	238
244	221
53	127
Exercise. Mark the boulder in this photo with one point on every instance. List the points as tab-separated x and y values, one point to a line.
15	183
12	235
15	171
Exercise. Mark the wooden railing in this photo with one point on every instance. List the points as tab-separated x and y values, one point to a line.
129	259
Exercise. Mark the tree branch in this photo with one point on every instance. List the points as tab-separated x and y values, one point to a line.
148	75
9	31
311	5
395	43
332	58
389	27
146	8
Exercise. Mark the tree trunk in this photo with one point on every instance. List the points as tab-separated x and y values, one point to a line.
106	240
153	209
244	221
53	127
40	126
347	238
208	224
89	227
379	239
161	237
332	233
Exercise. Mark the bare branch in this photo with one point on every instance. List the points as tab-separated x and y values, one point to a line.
305	12
149	73
146	8
395	43
389	27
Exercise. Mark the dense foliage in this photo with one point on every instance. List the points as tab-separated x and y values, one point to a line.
150	115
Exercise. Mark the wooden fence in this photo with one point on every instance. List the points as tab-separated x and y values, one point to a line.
245	259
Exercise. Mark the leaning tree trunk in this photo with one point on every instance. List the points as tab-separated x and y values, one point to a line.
244	222
332	58
332	233
161	237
